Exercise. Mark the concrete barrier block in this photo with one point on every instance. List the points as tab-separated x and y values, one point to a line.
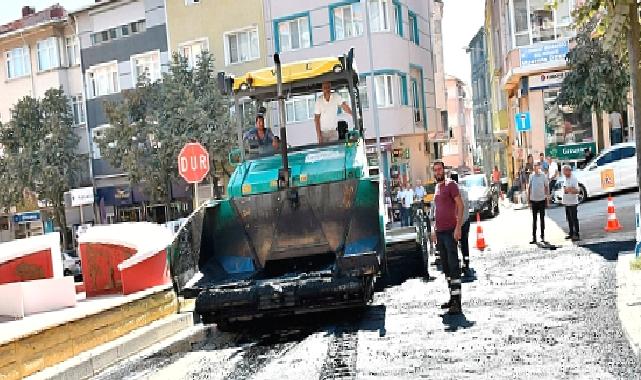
104	358
8	354
10	371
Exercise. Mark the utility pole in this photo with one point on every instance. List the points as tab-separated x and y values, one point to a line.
634	56
374	105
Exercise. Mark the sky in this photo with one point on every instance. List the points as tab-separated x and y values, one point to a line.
461	20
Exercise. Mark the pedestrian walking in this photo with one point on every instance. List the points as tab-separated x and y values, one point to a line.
544	165
571	202
616	128
419	194
464	243
538	192
496	176
406	197
448	217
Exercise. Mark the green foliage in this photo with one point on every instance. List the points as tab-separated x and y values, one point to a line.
155	120
597	79
611	22
39	152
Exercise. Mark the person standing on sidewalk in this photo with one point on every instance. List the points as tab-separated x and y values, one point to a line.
538	192
465	228
571	202
448	216
406	197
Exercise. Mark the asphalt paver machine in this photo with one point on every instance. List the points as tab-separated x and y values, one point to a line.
301	229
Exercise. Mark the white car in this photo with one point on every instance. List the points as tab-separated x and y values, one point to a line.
71	264
621	158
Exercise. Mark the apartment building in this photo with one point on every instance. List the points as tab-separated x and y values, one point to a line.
536	39
457	153
40	51
233	31
119	41
483	132
402	71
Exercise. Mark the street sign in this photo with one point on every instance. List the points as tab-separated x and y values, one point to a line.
81	196
30	216
544	53
607	179
522	122
193	162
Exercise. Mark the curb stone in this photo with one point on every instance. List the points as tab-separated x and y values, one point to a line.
90	363
629	301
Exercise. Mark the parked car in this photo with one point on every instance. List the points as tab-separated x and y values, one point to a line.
483	196
621	158
71	263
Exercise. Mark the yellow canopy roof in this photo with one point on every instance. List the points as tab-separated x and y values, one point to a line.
291	72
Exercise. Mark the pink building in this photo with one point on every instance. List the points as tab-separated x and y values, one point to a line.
457	153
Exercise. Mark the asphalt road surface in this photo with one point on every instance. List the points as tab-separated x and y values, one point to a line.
528	313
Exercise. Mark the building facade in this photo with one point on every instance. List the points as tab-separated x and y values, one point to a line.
483	131
41	51
234	36
457	153
529	41
402	72
119	41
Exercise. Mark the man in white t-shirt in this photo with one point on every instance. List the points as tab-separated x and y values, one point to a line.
406	197
616	124
553	172
571	201
325	114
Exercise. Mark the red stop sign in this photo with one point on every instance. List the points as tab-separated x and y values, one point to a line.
193	162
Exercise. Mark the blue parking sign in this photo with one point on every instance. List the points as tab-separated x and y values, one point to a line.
522	122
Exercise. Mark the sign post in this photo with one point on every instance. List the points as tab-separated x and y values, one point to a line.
607	179
193	165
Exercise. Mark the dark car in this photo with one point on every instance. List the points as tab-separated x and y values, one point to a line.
483	196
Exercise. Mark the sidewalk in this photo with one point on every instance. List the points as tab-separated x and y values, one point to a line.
629	301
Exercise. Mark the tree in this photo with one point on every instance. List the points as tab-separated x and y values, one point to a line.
619	25
39	153
597	80
155	120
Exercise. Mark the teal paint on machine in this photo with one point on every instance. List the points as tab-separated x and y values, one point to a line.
308	167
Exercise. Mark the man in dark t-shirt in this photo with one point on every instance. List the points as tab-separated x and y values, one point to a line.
448	216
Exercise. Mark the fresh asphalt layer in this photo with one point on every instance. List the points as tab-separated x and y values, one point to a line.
528	313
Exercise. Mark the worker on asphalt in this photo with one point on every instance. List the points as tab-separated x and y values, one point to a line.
448	216
406	198
325	117
465	228
571	202
261	138
538	195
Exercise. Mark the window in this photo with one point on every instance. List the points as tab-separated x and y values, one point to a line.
534	21
73	50
147	64
118	32
300	108
412	20
416	101
77	107
384	90
403	81
192	50
348	21
97	134
362	93
398	18
48	54
241	46
18	63
102	80
294	34
378	15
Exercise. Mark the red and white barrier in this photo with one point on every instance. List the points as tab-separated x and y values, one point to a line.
18	299
124	258
32	258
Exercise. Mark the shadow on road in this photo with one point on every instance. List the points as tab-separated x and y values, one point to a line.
610	250
454	322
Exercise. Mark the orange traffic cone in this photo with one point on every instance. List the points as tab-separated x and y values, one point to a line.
613	222
480	240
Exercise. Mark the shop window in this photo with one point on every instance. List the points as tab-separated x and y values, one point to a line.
563	124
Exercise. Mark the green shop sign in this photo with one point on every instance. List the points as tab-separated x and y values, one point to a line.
569	151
